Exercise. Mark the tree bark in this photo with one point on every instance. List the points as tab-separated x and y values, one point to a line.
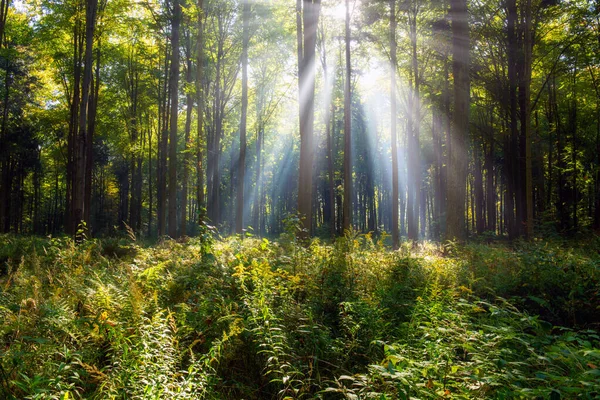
163	141
174	93
239	220
394	136
81	143
187	156
347	129
457	171
200	110
307	30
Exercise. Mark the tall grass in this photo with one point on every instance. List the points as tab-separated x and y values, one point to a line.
256	319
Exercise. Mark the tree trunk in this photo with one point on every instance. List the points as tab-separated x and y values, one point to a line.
93	108
457	168
200	111
81	142
307	31
490	187
478	188
347	129
526	188
239	219
413	121
174	93
187	139
78	43
163	141
394	118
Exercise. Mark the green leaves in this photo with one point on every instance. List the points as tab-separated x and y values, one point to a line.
225	320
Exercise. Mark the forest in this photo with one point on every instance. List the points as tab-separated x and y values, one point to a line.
276	199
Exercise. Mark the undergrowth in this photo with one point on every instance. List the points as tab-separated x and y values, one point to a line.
256	319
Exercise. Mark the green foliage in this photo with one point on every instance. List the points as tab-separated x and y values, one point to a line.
250	318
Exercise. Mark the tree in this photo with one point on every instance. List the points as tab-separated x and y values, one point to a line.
83	140
174	93
457	167
200	111
393	111
307	23
239	220
347	129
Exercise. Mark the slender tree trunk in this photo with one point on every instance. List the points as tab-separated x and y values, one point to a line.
174	93
239	220
394	118
90	139
457	168
413	122
573	128
78	41
307	31
187	139
490	187
258	178
596	223
81	143
150	192
512	149
525	115
437	178
4	6
132	83
478	188
347	129
200	111
6	182
163	141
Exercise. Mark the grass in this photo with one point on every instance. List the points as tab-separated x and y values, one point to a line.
256	319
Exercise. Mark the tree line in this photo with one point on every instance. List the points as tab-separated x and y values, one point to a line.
160	116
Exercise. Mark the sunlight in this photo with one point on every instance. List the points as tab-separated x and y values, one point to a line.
336	12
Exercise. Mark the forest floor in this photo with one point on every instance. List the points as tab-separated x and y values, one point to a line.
257	319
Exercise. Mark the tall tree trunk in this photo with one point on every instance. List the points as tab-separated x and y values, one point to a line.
93	108
394	118
307	30
6	182
511	151
596	83
81	143
132	83
413	122
436	133
457	168
4	6
347	129
490	187
478	188
174	93
526	188
78	43
200	110
187	138
163	141
150	192
258	177
239	219
573	129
